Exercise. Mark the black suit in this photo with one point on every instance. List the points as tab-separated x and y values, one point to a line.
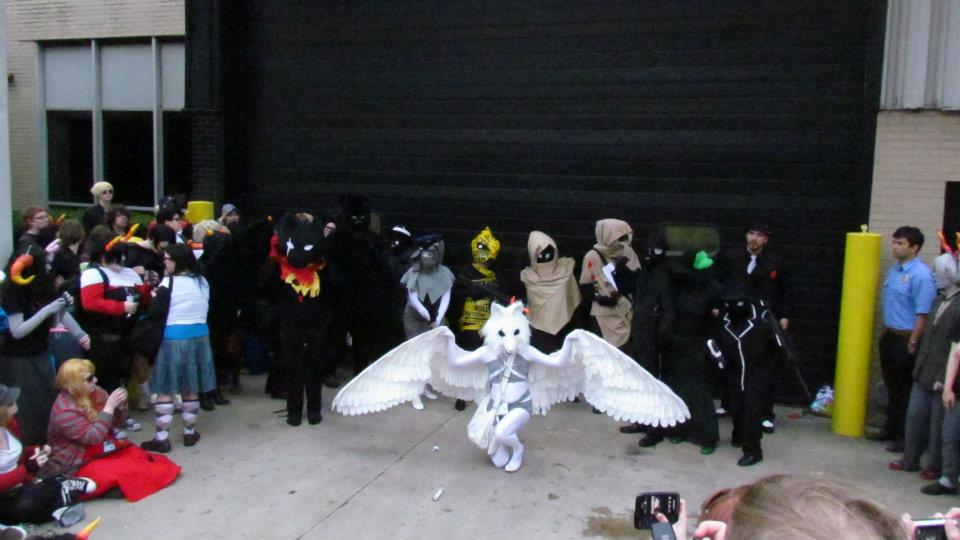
769	282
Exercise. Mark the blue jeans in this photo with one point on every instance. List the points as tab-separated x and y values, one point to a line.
923	428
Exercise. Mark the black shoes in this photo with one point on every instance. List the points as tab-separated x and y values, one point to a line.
314	418
155	445
749	460
650	440
190	439
460	405
294	419
634	428
219	399
206	402
879	436
937	488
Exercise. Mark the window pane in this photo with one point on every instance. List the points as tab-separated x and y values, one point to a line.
128	156
68	76
177	157
127	77
70	155
172	67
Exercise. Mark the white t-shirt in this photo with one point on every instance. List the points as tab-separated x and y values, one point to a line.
10	457
124	278
189	301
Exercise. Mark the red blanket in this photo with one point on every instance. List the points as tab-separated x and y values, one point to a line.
137	472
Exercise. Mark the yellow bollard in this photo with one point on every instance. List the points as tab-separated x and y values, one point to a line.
858	302
198	211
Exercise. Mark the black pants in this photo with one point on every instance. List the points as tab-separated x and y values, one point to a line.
32	502
303	353
896	363
112	357
748	409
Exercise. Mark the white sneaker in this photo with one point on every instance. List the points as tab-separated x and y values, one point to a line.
68	516
721	411
132	425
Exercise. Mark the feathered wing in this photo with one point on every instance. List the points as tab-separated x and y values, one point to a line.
610	381
401	374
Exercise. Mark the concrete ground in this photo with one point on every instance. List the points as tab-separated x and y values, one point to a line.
375	476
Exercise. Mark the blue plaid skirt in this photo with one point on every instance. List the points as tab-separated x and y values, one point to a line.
184	365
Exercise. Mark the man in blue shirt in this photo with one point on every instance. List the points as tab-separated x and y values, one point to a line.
908	292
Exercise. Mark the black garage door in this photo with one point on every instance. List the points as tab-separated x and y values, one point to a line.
550	115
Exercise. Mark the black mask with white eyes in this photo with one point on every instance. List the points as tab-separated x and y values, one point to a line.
547	255
299	241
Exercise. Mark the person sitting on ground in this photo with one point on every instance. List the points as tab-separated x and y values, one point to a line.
97	214
83	438
23	499
184	363
33	307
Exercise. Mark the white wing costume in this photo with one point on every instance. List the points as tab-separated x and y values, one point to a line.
512	380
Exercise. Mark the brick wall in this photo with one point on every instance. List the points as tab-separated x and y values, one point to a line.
29	21
917	153
207	156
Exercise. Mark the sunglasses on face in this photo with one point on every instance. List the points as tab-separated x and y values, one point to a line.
108	191
90	378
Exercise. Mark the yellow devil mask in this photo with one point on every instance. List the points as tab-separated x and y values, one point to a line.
484	247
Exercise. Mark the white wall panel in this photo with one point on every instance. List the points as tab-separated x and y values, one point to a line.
68	77
173	65
922	55
127	77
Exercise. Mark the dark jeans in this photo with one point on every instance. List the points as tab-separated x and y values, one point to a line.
896	363
33	502
951	444
923	428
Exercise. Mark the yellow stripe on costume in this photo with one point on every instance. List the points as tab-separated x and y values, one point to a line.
312	290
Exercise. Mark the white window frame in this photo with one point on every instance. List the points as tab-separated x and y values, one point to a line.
43	165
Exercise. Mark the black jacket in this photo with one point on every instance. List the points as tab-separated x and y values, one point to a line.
769	281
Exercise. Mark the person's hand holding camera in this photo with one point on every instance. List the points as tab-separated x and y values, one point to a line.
116	400
56	306
130	307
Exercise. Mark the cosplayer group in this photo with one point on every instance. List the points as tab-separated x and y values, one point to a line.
99	307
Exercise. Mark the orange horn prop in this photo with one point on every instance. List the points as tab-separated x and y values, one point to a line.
85	533
19	265
943	243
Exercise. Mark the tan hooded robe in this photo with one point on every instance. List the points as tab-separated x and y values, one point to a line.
614	322
552	291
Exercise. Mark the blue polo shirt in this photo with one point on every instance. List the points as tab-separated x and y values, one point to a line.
908	291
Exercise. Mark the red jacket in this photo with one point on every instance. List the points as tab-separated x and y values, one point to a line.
19	475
